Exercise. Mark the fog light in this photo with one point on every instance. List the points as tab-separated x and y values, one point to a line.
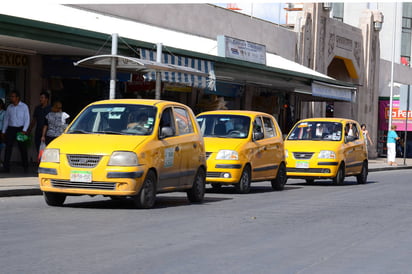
226	175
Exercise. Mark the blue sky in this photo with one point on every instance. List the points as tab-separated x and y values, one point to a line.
266	11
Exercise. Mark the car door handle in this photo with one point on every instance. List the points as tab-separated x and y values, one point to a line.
177	148
194	145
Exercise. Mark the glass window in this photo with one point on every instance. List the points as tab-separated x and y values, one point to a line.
183	121
337	11
167	120
316	130
115	119
224	125
269	127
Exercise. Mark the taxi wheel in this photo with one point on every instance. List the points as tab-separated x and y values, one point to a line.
243	186
147	195
281	178
340	176
54	199
362	178
310	181
197	192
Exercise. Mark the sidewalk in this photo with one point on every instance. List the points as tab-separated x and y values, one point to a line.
18	183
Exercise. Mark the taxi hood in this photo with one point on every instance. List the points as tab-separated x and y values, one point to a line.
102	144
311	146
214	144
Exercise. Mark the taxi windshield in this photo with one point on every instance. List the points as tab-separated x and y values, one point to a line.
121	119
224	125
316	131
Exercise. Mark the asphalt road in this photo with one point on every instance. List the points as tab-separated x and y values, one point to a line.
317	228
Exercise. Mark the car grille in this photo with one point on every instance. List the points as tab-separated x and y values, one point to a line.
302	155
84	161
92	185
213	174
208	155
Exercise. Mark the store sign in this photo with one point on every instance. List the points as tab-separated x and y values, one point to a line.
398	115
241	50
13	60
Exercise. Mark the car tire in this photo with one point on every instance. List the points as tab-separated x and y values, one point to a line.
310	181
54	199
147	194
243	186
197	193
362	177
340	175
279	182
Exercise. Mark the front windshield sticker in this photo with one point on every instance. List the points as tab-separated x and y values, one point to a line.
169	157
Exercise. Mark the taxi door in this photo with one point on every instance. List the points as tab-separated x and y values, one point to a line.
351	147
188	144
169	169
264	156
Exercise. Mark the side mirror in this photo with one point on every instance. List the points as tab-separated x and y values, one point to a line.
166	132
257	136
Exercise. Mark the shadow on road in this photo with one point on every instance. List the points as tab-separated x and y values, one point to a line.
161	202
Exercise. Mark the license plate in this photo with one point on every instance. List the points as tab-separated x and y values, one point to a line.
81	176
302	164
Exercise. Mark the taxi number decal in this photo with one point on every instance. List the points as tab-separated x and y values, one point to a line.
169	157
80	176
302	164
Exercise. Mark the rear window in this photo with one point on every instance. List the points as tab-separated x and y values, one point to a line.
326	131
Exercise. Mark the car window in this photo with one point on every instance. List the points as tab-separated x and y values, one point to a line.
224	125
127	119
351	130
257	125
269	127
183	121
167	120
316	130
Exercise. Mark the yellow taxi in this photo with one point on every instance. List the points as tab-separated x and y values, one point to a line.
242	147
126	148
326	148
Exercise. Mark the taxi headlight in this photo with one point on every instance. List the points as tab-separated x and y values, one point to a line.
327	154
51	155
227	155
123	158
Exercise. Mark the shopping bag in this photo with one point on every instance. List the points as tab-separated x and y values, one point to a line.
41	149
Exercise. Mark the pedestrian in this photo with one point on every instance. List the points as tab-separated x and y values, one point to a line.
55	123
391	145
2	113
16	122
366	136
39	115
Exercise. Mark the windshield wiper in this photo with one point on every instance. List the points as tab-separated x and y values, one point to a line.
78	131
109	132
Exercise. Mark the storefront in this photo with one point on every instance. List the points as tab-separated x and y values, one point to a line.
13	74
403	121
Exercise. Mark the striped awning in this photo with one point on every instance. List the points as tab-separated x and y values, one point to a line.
180	77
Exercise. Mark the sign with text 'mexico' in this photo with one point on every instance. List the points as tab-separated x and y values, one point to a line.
241	49
13	60
398	116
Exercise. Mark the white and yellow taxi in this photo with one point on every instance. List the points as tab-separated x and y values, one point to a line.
126	148
326	148
242	147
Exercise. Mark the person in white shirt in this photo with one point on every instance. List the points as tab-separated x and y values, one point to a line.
16	119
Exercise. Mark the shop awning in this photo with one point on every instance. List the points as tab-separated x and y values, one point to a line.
207	80
336	92
136	65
